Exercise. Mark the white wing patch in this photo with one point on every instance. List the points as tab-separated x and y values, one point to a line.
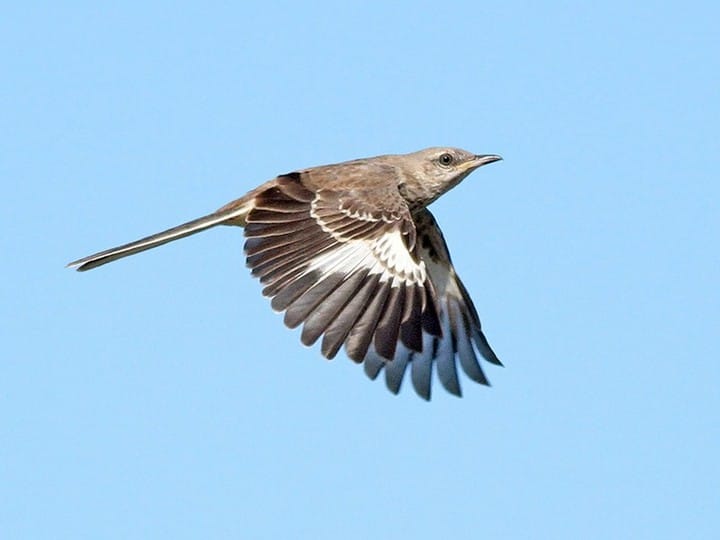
384	253
461	333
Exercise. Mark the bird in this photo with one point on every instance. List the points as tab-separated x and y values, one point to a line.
351	252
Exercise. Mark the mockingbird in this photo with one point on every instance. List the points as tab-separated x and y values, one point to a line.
351	252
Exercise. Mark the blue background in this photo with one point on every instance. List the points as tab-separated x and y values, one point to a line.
160	396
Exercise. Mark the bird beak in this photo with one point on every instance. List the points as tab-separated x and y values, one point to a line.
484	159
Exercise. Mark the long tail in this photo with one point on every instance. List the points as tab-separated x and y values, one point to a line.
226	215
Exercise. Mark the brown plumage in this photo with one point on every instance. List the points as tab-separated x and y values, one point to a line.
350	252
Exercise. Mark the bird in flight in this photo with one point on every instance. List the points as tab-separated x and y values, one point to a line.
351	252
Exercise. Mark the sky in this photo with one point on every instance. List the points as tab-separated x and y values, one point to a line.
161	397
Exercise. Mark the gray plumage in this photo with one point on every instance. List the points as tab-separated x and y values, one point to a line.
351	252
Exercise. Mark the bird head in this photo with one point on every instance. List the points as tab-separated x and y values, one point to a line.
431	172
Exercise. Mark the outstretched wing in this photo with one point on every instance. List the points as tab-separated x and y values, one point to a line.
356	268
344	264
461	330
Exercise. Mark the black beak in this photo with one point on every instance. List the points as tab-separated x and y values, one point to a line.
484	159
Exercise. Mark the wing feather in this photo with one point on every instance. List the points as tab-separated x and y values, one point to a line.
326	312
361	334
341	268
340	327
359	270
445	332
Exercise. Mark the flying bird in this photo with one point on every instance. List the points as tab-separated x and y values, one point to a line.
351	252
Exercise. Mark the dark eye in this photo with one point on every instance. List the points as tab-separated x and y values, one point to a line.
445	159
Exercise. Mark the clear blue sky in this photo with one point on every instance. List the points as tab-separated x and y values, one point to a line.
160	396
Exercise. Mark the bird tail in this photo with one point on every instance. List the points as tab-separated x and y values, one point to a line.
230	214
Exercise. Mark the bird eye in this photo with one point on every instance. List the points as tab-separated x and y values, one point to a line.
445	159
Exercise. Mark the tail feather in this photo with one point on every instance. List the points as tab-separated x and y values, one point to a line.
222	216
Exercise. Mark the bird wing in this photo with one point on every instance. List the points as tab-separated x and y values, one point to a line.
459	322
344	263
357	268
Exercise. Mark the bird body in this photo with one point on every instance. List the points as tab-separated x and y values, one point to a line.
351	252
